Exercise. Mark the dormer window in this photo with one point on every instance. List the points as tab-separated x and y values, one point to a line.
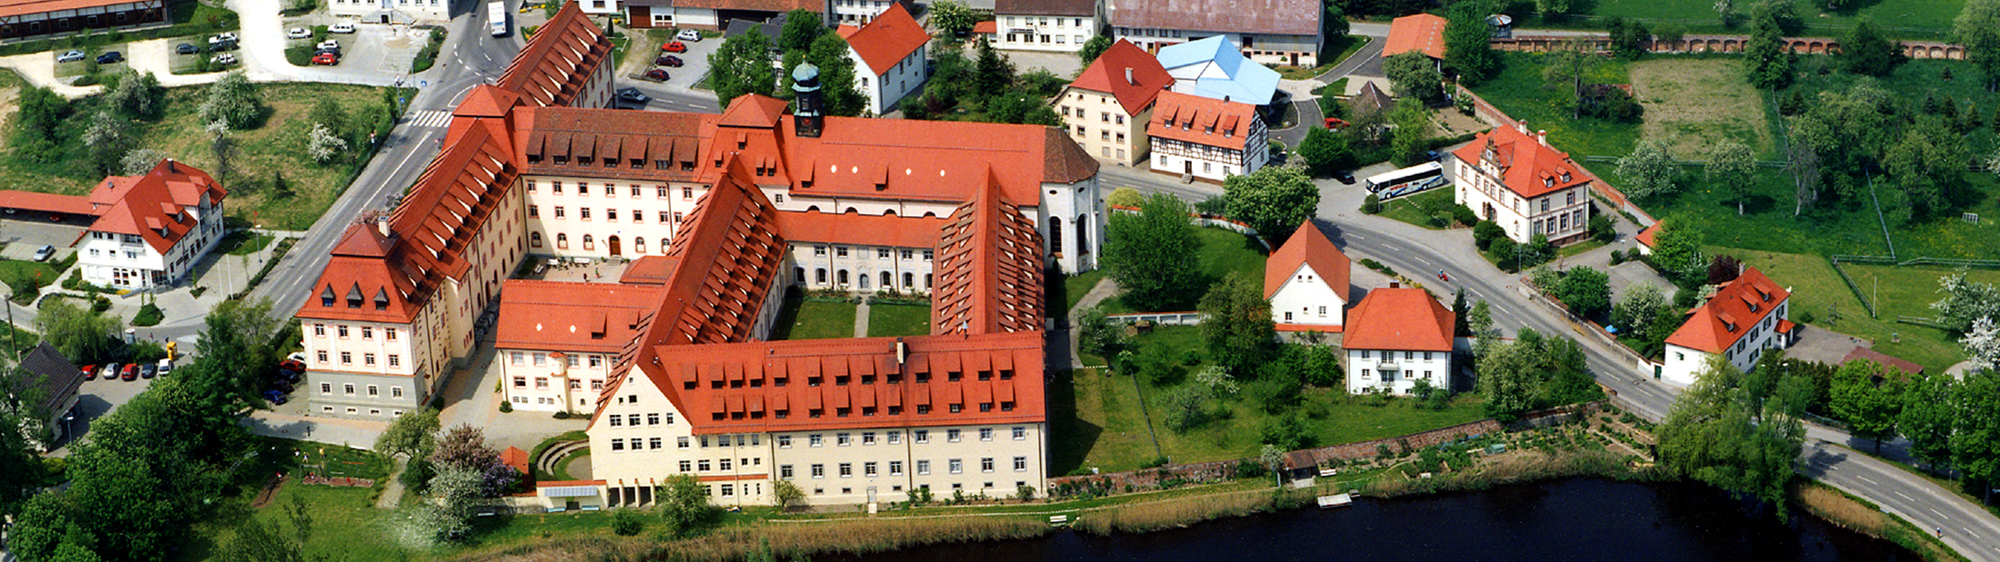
583	160
326	297
1548	182
560	160
1565	176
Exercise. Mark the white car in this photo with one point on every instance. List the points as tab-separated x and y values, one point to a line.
327	44
166	365
341	28
299	33
71	56
689	35
224	59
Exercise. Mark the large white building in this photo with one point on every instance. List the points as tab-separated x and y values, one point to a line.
1521	183
150	229
1206	138
1746	316
1306	282
1045	25
1396	337
891	57
394	11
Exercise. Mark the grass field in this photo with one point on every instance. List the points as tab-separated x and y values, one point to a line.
1907	291
1696	103
898	320
16	272
1420	208
802	319
1901	18
1518	91
1222	252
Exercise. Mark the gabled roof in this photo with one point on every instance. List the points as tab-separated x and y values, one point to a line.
160	206
1372	100
1231	76
46	202
357	286
18	8
753	111
516	458
1271	17
1401	319
988	269
60	378
487	101
1423	33
1737	307
1128	73
1311	248
1064	161
1864	354
888	39
1646	236
1202	121
367	242
568	316
1528	166
554	141
1045	7
559	59
860	230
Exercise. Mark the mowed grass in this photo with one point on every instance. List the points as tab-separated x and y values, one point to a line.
802	319
1916	18
1695	104
898	320
1222	252
1904	291
15	272
1518	90
1418	209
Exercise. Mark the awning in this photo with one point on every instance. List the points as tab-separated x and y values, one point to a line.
569	492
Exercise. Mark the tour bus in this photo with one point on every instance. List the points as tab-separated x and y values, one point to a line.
496	17
1406	181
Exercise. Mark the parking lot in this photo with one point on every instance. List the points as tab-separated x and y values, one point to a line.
372	49
82	65
694	62
22	236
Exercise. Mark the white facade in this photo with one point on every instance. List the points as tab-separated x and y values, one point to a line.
1396	371
554	381
588	217
370	370
885	87
1213	163
126	261
856	12
401	11
862	268
1306	299
1560	214
1684	364
1098	123
1072	224
1066	34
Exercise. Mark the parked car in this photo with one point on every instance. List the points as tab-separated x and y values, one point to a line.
111	57
689	35
657	74
334	51
1336	123
1432	156
71	56
276	397
299	33
328	44
289	375
633	96
224	59
110	371
328	59
186	49
166	366
130	372
674	47
45	252
667	60
229	36
281	386
340	28
292	365
89	373
1345	176
148	370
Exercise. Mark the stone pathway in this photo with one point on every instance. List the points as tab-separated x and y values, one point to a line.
1104	289
861	319
392	493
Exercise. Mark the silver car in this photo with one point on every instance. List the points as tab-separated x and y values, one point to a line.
71	56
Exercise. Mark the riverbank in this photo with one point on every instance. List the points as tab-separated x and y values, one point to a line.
1859	515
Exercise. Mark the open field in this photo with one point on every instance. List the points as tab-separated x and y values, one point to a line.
1908	291
1518	91
1697	103
898	320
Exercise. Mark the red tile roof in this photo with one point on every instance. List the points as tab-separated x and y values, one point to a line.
911	160
988	270
1737	307
1310	247
856	383
1273	17
1108	74
1202	121
515	457
559	59
17	8
563	316
367	280
1646	236
650	270
584	138
861	230
159	206
487	101
1423	33
46	202
1864	354
888	39
754	110
1399	319
1528	167
987	27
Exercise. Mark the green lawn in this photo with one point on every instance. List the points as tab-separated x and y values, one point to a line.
1907	291
898	320
242	243
1901	18
803	319
1421	209
15	273
1075	286
1518	91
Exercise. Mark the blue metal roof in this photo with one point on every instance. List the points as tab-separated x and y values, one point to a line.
1246	82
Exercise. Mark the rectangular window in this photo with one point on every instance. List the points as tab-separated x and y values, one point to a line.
986	464
985	433
923	467
921	435
951	435
895	437
895	468
819	470
1020	464
842	439
868	469
815	440
1020	433
957	466
785	472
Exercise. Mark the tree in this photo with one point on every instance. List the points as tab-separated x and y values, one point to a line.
1714	434
1628	39
1125	197
22	421
951	78
802	27
233	100
1586	291
1412	74
1764	55
1671	35
108	138
1637	307
1480	322
1152	254
684	506
1963	303
1275	200
992	73
1565	69
1236	324
1413	132
139	161
1978	29
953	18
1866	51
1982	344
1730	167
222	147
742	66
1485	232
1460	327
329	113
36	124
464	448
82	335
785	494
1467	50
1326	152
1928	164
1868	407
1018	107
1649	171
1092	48
322	144
1188	407
1803	164
838	93
1975	441
1510	377
138	96
413	434
1928	413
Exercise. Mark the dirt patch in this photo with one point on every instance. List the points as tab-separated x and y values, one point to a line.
1695	104
270	490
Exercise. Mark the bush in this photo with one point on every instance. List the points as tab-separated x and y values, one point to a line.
1371	205
562	415
1464	215
1485	232
506	406
626	522
1807	317
148	315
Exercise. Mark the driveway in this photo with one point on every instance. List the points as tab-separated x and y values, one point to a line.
96	399
24	236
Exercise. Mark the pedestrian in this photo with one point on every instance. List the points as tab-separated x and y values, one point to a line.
1940	532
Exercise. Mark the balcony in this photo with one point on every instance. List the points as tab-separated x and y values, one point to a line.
1385	364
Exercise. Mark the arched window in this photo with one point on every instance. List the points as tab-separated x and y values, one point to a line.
819	276
535	239
1082	236
639	244
909	280
840	278
562	240
1055	235
887	280
889	212
589	244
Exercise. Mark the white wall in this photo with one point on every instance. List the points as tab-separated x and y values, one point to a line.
1683	364
884	88
1309	300
1477	188
1364	367
1065	34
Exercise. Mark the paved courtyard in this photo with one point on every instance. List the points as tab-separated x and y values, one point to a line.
23	235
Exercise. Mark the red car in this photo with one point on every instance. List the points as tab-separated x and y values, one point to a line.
668	60
657	74
130	372
1335	123
292	364
89	373
674	47
328	59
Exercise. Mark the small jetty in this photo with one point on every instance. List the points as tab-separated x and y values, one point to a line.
1336	500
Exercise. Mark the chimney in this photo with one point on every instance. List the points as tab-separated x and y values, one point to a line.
1521	126
382	224
1542	136
171	168
902	352
1128	77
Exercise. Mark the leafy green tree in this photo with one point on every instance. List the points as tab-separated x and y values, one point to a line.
953	18
1188	407
1648	171
138	96
785	494
1628	39
1637	307
1480	322
1565	69
1866	51
742	66
84	336
1929	165
1869	408
1585	291
1510	377
802	27
1731	165
684	506
22	424
1236	324
108	138
951	78
1412	74
37	120
1978	29
1929	411
1975	442
1677	252
233	100
1326	152
1152	254
1982	344
1092	48
838	93
1018	107
1764	55
1125	197
1413	132
1467	50
1715	435
1275	200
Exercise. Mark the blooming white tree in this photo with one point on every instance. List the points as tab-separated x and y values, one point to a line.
1982	342
322	144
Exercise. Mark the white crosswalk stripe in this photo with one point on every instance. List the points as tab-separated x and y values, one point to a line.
429	119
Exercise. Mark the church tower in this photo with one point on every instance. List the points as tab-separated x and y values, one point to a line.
808	119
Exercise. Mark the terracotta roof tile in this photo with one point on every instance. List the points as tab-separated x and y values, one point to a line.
988	270
1527	167
1308	246
1064	161
569	317
17	8
888	39
861	230
1400	319
558	60
1202	121
779	6
1277	17
1423	33
46	202
158	206
1108	74
1736	307
1864	354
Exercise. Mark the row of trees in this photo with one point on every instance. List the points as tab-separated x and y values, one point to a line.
742	65
1153	253
989	83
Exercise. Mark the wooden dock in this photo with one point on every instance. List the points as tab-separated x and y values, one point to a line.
1336	500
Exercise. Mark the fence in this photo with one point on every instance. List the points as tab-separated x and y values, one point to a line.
1162	318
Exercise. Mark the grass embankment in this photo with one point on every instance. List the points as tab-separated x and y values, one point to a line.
785	540
1860	515
26	277
1898	291
1181	512
1429	209
898	320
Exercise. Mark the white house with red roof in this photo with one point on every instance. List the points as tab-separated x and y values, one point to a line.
1396	337
890	56
1515	179
1745	317
562	340
151	229
1306	282
1045	25
1207	138
1107	108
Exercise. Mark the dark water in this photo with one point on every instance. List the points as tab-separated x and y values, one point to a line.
1569	520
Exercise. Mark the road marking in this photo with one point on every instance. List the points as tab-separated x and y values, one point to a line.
431	119
1939	513
1900	493
1870	481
